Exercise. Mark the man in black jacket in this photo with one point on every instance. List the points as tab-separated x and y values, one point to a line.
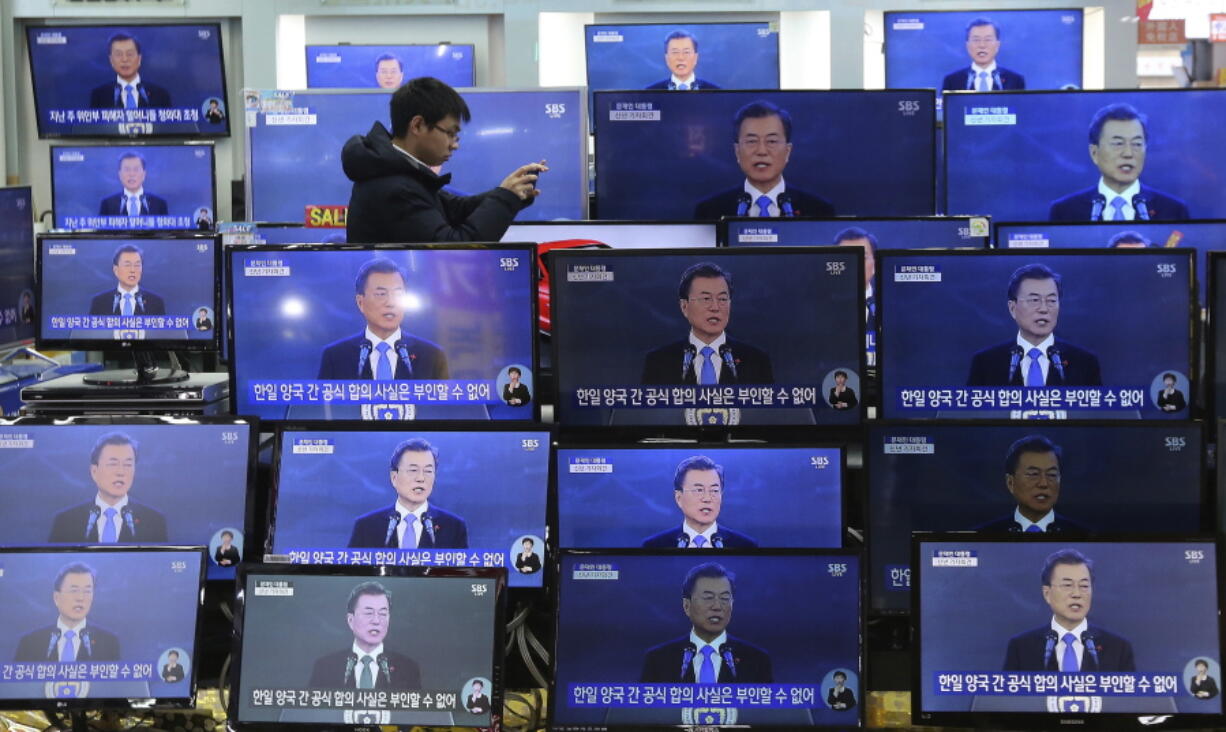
396	196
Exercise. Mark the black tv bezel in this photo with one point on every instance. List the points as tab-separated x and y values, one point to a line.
33	281
307	50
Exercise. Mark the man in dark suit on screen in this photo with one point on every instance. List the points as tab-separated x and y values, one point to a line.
708	356
112	517
128	90
412	522
698	489
708	654
477	702
1069	643
367	664
762	144
1032	477
982	45
127	297
681	57
1119	140
72	638
1035	357
383	351
133	200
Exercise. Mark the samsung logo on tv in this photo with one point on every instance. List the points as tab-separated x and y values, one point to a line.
71	156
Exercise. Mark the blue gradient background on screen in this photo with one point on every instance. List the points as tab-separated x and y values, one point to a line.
730	55
919	233
355	69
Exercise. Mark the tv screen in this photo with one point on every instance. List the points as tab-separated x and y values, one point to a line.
1054	156
1199	235
1014	49
667	55
93	291
363	333
297	136
127	81
1049	479
696	662
355	647
1215	347
348	66
670	497
641	337
133	187
874	154
92	627
616	234
17	307
369	497
298	234
1059	632
1038	335
136	481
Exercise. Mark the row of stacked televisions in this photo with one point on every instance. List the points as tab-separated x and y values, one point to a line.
755	614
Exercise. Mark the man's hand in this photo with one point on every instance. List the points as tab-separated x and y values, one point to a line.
522	182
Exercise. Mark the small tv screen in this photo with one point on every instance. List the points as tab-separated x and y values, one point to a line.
294	136
1038	335
616	234
346	66
362	333
697	662
93	291
377	497
17	306
641	337
682	56
136	481
1085	155
94	627
126	81
727	153
1053	633
984	50
133	187
1048	479
357	647
670	497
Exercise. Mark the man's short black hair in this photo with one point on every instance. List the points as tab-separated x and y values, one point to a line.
228	533
839	373
428	97
378	264
368	588
391	57
1065	556
758	109
479	682
112	438
132	155
702	269
1201	662
529	540
172	653
1128	237
514	370
413	444
1121	112
715	570
840	673
121	36
979	23
852	233
74	568
1034	272
1030	444
1169	375
696	462
127	249
679	34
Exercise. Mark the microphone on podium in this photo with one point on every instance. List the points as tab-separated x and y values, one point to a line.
743	202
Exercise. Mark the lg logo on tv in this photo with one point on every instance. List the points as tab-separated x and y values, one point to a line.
555	111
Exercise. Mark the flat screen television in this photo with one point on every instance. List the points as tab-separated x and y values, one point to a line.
362	66
18	313
123	81
616	234
1215	346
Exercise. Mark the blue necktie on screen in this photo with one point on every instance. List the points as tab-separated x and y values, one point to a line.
698	542
129	97
410	537
1034	375
683	87
708	367
706	672
367	680
69	652
133	206
764	205
126	307
1069	663
108	528
1034	529
984	84
383	370
1118	204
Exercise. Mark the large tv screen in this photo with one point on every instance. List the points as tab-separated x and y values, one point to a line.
128	80
347	66
1021	334
364	333
616	234
1025	480
699	497
983	50
17	308
133	187
1215	348
295	136
1085	155
682	56
1055	633
365	496
696	662
727	153
717	338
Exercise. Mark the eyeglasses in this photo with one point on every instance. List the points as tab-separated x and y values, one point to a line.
124	55
114	464
982	39
381	295
453	135
79	591
1052	476
706	300
773	142
713	491
710	598
1119	145
369	615
129	265
418	472
681	52
1034	301
1067	587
